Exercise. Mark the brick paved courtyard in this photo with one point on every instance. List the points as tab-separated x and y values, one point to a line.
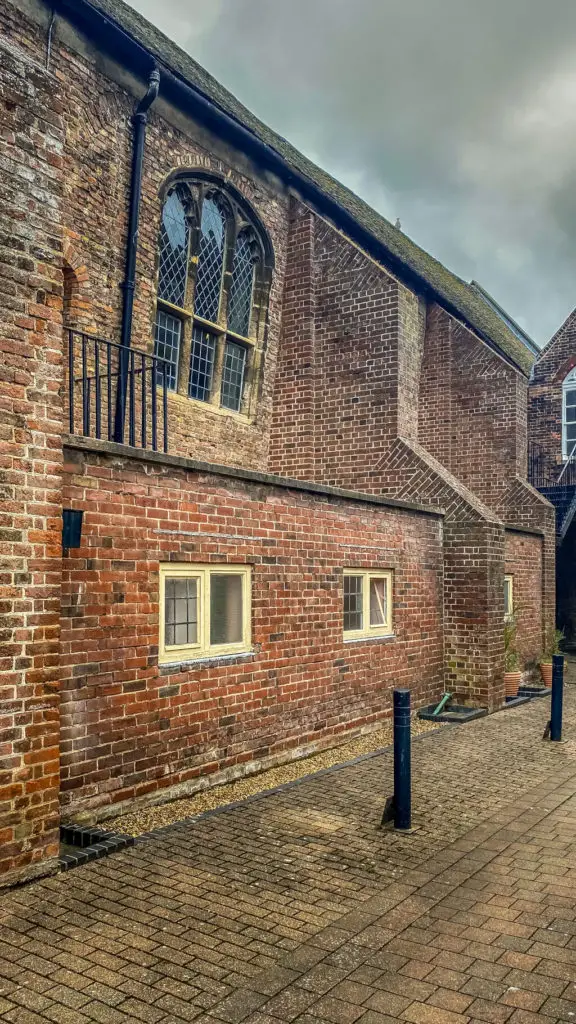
296	907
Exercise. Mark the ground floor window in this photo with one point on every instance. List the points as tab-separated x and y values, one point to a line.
508	596
367	604
204	610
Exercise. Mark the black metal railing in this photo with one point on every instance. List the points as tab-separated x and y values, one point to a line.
115	393
545	470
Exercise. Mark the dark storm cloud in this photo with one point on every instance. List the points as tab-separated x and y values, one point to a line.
458	116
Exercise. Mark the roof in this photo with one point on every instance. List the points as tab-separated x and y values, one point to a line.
448	289
520	333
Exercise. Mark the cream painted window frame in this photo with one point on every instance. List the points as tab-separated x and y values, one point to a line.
203	649
508	590
371	632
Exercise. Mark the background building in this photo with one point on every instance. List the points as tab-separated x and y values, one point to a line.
552	457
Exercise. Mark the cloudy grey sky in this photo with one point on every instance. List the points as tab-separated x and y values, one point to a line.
458	116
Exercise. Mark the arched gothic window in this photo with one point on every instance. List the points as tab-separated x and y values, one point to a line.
569	415
211	295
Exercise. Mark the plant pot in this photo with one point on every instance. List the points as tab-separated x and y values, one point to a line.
512	682
546	670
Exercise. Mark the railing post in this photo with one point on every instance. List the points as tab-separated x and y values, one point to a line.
132	409
122	384
97	386
557	698
71	380
165	405
153	410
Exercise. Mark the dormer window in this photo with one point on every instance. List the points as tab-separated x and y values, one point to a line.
569	415
213	276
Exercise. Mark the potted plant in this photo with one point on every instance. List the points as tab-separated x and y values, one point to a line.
552	640
512	669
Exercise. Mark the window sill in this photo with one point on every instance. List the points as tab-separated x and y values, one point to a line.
218	410
205	659
383	638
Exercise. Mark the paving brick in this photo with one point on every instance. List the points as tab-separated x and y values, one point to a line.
309	983
421	1013
523	1000
448	999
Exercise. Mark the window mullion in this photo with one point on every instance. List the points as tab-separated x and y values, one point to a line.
218	368
366	603
184	363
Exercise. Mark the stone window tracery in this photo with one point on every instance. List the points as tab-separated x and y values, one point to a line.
213	278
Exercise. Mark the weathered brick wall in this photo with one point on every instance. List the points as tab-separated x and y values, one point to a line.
97	157
130	728
545	409
473	414
31	146
292	434
473	543
524	562
337	381
524	506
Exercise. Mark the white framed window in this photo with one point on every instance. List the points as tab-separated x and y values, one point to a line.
569	415
508	596
367	604
205	611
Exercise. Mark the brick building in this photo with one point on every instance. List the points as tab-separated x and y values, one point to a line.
298	442
552	458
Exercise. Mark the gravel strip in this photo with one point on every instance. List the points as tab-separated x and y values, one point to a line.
148	818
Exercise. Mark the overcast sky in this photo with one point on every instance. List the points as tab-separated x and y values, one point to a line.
457	116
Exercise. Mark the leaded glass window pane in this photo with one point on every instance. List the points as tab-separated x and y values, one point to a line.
378	602
225	609
173	267
201	364
210	261
167	334
352	603
233	376
240	299
181	612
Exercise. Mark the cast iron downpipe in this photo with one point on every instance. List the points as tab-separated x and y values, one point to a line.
139	120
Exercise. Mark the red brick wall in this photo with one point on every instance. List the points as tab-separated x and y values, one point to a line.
524	561
30	462
336	399
96	163
473	542
130	728
473	414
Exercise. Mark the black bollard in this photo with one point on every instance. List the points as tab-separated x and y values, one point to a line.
557	697
402	768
